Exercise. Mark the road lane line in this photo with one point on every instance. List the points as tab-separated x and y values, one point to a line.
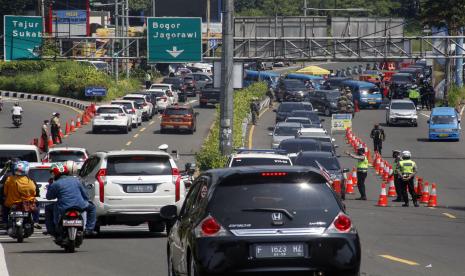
3	267
136	135
252	128
427	116
400	260
128	143
151	123
142	129
461	111
449	215
193	101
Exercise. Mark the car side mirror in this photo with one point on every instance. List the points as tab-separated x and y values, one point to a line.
169	212
345	170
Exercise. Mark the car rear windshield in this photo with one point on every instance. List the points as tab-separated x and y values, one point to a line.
270	193
299	120
109	110
333	95
288	107
372	90
330	163
39	175
159	94
24	155
173	81
402	106
60	156
126	105
443	120
297	146
177	111
313	116
137	100
138	165
401	78
286	131
257	161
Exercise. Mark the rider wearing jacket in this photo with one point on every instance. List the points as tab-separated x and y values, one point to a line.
69	193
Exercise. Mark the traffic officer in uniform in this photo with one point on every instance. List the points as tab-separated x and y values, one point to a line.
362	170
407	169
414	95
396	154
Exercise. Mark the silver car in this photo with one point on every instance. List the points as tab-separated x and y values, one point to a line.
401	112
283	131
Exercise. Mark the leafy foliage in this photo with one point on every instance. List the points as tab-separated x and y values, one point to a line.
456	96
209	156
448	14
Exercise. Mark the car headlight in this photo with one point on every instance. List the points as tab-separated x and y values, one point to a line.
334	104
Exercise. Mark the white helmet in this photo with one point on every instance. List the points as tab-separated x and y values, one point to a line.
72	167
406	154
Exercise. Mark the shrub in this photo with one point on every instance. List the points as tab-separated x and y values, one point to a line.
455	96
209	155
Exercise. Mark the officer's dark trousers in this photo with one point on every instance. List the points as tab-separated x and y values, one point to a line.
398	185
361	176
378	146
411	189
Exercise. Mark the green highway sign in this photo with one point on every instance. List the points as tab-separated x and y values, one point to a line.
22	37
174	39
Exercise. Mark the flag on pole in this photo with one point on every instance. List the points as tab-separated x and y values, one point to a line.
324	172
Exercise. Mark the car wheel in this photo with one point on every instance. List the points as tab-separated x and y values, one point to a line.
327	112
156	226
95	130
415	124
347	274
162	130
130	128
125	130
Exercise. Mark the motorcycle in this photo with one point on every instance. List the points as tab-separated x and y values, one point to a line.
17	121
187	176
70	230
20	223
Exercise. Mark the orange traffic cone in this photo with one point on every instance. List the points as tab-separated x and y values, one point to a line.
60	133
433	201
425	193
392	188
78	121
370	160
72	128
354	177
383	201
337	186
349	186
419	186
67	129
85	120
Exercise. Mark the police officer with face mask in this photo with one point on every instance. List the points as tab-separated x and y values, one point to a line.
407	169
362	171
396	154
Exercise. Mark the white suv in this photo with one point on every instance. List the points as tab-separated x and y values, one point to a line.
147	107
254	157
401	111
132	108
130	187
112	117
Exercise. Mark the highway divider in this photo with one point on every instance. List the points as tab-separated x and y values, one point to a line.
82	105
209	155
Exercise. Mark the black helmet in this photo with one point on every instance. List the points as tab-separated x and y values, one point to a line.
361	150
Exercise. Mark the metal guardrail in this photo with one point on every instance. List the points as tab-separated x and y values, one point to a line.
46	98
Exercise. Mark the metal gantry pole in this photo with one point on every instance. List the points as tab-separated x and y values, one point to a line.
127	40
116	41
227	63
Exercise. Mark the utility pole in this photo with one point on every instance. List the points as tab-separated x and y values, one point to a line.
153	8
305	7
226	96
115	48
127	40
208	27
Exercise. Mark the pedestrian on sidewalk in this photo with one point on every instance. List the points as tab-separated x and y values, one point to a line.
55	128
362	171
44	136
378	136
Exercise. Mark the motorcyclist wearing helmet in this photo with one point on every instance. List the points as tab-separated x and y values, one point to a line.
407	169
19	189
16	111
69	193
362	171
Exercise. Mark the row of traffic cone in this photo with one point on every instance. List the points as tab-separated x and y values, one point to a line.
357	143
430	199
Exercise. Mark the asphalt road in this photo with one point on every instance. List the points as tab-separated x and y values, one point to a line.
119	250
413	241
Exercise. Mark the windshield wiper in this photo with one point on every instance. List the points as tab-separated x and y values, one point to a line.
284	211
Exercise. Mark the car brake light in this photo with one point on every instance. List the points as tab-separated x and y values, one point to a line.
341	224
274	173
177	183
101	177
72	214
209	227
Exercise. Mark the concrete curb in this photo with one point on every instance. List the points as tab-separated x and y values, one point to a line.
82	105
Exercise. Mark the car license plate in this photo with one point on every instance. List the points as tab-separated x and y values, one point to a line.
443	135
73	222
139	189
280	250
108	118
371	102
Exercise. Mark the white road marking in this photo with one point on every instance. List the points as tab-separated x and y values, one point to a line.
461	111
136	135
128	143
142	129
426	115
3	267
151	123
449	215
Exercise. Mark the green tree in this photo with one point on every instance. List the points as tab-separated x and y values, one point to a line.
11	7
440	13
140	5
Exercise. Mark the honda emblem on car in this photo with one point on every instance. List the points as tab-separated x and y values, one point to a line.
277	218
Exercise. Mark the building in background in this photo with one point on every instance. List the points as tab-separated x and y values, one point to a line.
68	18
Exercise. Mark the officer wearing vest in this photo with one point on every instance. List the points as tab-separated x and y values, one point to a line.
414	95
396	154
362	170
407	169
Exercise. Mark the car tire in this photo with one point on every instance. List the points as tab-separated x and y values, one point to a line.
130	128
95	130
327	112
202	105
156	226
134	126
415	124
162	130
347	274
125	130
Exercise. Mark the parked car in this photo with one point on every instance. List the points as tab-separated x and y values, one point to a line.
164	98
305	122
325	101
293	146
401	112
133	108
179	117
283	131
261	219
291	90
365	93
111	117
400	84
312	115
147	106
258	157
177	83
130	187
63	154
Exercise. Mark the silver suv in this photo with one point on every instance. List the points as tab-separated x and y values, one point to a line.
130	187
401	112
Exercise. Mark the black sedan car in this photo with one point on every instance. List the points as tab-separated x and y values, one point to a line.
325	100
291	90
285	109
258	220
312	115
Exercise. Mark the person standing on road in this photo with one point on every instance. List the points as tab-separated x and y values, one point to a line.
396	154
414	95
148	80
270	94
407	169
44	136
362	171
424	96
254	110
431	97
378	136
55	128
